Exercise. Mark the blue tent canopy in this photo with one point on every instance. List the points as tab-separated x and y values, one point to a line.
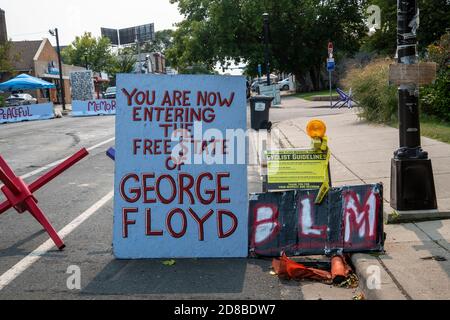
25	82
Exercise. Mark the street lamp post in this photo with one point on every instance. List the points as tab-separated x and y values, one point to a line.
61	81
266	43
412	182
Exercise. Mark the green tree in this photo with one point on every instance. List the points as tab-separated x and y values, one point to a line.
435	98
197	69
384	40
95	53
5	59
162	42
434	21
220	31
122	63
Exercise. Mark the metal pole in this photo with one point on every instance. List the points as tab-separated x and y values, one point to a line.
139	51
266	42
408	94
331	91
412	180
61	80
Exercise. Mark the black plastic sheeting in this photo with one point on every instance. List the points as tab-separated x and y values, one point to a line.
349	220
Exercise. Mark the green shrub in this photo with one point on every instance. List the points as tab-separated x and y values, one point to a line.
435	99
377	100
2	101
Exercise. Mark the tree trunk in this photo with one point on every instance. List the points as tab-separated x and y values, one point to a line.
303	84
315	77
300	79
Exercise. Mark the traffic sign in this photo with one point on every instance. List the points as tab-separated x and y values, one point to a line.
331	64
330	49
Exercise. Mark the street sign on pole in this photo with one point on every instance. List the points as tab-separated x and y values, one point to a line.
331	64
330	49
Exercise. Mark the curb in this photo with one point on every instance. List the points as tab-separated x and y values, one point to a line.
365	267
398	217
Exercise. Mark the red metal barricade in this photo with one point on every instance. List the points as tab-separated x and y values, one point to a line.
20	196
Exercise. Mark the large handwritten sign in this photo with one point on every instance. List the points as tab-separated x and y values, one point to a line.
349	220
30	112
181	174
93	108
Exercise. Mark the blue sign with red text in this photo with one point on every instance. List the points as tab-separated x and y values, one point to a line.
181	173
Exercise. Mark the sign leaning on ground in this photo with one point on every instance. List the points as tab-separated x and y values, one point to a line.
93	108
181	174
349	220
297	169
271	91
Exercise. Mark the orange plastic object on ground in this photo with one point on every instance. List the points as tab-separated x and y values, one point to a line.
340	270
286	268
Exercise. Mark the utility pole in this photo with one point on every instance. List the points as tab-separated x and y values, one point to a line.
330	67
412	182
61	81
266	42
139	50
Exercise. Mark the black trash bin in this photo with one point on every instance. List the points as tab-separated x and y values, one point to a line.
259	111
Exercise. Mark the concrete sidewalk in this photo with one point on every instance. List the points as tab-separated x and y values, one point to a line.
415	265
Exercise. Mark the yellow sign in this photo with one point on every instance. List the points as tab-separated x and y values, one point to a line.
297	169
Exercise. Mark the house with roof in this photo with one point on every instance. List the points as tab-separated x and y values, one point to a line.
40	59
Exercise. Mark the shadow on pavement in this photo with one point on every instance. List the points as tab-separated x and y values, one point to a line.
16	250
438	251
187	276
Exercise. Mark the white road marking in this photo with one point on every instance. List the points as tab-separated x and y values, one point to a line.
101	144
25	263
53	164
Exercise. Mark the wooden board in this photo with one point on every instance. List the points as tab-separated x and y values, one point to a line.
420	74
350	220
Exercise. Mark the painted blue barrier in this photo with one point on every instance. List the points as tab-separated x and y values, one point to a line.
32	112
93	108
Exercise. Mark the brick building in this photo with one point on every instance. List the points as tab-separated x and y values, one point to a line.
40	59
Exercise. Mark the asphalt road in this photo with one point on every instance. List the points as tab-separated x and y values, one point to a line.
30	274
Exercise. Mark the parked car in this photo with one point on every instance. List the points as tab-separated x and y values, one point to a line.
256	84
110	93
20	99
285	85
263	81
